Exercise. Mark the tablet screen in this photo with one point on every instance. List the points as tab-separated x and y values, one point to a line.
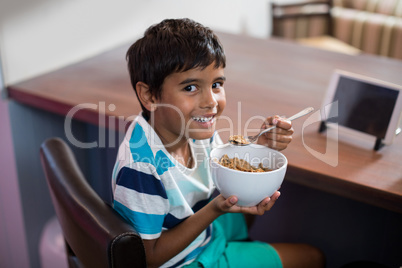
364	106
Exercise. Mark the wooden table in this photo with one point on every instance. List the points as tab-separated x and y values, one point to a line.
271	77
264	77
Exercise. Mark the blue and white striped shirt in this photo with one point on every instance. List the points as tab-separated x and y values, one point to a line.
154	192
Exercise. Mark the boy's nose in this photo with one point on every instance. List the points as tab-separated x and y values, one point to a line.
209	99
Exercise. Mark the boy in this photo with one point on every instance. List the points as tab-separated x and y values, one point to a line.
161	180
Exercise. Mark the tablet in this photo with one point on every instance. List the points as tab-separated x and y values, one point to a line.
364	105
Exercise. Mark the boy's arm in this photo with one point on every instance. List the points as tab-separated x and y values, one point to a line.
175	240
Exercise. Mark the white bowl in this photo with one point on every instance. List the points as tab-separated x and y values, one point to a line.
249	187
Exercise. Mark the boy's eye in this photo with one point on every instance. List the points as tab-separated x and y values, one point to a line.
190	88
217	85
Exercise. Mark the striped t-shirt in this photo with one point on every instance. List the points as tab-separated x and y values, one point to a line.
154	192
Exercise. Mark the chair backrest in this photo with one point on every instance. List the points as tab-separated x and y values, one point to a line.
372	26
96	236
300	19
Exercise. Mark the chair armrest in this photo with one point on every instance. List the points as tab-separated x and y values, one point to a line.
94	231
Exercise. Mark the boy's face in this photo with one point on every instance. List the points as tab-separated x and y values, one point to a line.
189	105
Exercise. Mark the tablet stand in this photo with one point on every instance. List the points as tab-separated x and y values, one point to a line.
323	127
378	142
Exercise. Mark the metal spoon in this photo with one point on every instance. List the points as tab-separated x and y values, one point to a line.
251	139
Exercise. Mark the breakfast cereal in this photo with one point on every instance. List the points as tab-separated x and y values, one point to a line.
238	139
241	164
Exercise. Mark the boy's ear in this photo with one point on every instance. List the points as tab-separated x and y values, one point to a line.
145	96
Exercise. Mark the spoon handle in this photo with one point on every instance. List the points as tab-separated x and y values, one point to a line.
293	117
301	113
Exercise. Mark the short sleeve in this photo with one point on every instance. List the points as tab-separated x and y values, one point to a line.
140	197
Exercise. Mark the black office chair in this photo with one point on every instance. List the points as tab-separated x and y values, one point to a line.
95	235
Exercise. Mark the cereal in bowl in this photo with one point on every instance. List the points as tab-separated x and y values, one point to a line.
241	164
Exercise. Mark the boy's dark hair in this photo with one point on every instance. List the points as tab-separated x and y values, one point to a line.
173	45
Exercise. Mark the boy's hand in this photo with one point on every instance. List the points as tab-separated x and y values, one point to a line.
229	205
278	138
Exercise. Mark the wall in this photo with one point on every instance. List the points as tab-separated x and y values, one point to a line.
38	36
42	35
13	251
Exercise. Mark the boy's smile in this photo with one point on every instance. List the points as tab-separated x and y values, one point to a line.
189	105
